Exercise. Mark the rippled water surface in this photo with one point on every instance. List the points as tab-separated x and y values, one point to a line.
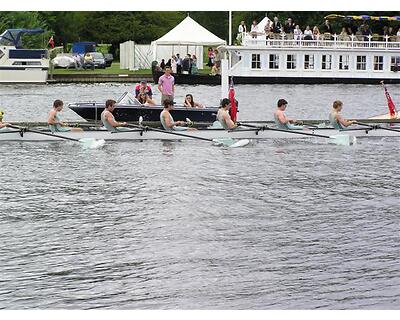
185	225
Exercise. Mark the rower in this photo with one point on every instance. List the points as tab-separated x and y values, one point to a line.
167	121
335	118
108	118
281	120
223	115
54	120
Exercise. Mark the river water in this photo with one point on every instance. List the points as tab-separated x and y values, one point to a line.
185	225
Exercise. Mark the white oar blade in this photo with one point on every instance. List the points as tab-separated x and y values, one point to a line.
343	140
240	143
91	143
189	122
231	143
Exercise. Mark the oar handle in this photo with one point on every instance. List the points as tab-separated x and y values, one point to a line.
169	132
376	126
366	124
44	133
287	131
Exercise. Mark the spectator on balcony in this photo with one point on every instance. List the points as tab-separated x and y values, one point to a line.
276	28
308	35
343	36
398	35
254	30
297	33
327	27
385	31
289	26
316	33
365	31
242	29
391	34
268	29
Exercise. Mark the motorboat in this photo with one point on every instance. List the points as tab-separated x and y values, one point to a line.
19	65
128	108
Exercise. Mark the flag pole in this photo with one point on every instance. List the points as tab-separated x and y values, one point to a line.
230	28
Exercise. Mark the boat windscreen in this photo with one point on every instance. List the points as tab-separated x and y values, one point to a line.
128	99
12	37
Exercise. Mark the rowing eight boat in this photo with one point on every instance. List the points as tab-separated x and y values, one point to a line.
240	133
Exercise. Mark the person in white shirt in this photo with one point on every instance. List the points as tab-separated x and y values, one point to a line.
242	30
242	27
297	33
308	35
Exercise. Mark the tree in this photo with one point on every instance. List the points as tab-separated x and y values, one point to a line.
26	20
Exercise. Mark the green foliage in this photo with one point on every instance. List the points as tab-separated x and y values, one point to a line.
26	20
103	48
144	27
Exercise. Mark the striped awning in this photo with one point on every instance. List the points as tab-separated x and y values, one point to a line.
363	17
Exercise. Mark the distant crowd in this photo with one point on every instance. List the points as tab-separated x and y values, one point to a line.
188	65
291	30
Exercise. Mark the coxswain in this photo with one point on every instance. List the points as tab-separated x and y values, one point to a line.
54	120
281	120
108	118
223	115
335	118
3	125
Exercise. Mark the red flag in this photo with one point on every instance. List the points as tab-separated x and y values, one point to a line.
51	42
391	106
233	110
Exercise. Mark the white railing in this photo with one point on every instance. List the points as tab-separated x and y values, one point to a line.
324	41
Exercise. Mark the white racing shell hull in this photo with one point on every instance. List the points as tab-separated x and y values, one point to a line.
137	134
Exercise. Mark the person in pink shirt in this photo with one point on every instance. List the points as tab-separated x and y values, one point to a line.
166	85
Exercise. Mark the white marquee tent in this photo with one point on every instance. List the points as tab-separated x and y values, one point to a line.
263	23
187	37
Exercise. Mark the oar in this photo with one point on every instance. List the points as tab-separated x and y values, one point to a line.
342	139
90	143
376	126
10	131
228	143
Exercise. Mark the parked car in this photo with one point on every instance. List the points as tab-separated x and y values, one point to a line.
94	60
109	59
63	60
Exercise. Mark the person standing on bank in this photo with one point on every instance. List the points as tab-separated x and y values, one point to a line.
108	118
166	85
